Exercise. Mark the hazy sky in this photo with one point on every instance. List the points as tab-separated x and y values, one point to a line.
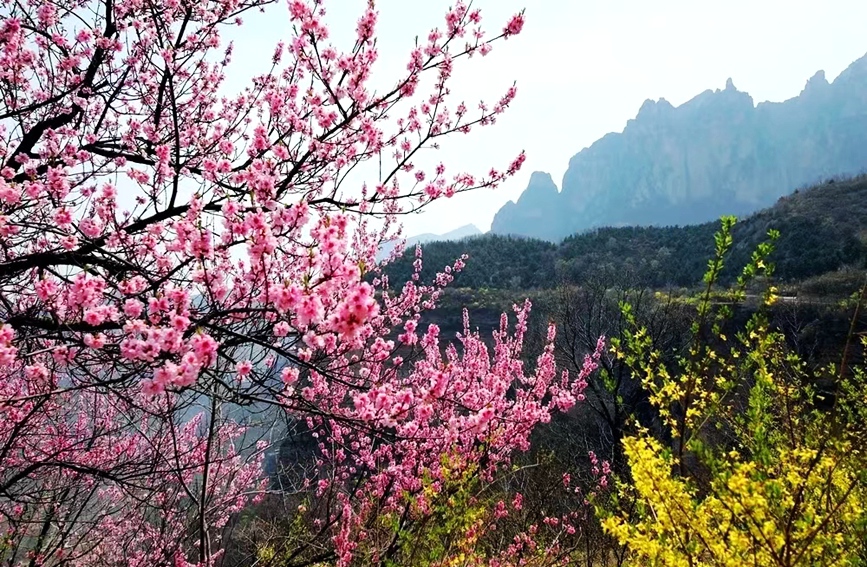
583	68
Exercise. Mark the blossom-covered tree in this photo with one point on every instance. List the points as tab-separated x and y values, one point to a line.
171	252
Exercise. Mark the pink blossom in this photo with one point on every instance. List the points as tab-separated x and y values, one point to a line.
133	308
152	388
281	329
515	25
204	347
90	227
93	317
244	368
290	375
63	217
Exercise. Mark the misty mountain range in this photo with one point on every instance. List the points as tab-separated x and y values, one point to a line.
716	154
457	234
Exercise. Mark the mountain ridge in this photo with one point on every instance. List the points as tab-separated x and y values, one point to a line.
718	153
459	233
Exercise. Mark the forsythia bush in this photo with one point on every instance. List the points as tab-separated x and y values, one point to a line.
764	462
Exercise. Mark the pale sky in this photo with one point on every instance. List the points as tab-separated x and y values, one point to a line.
583	68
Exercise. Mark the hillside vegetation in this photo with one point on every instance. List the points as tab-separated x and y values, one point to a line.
823	229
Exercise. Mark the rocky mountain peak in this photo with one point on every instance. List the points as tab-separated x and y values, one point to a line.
715	154
541	186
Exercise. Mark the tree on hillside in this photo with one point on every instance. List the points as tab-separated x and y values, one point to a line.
614	396
173	259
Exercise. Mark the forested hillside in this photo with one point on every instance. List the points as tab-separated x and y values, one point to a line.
823	229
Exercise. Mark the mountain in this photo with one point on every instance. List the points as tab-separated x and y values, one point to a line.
713	155
533	210
822	230
456	234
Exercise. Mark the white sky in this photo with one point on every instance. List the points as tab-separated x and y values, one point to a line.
583	69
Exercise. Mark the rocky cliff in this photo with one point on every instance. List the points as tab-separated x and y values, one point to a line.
716	154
